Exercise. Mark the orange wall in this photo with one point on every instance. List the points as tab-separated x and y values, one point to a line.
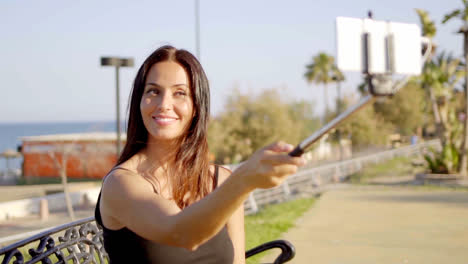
86	160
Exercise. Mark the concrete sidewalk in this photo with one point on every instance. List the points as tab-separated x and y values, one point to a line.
372	224
24	225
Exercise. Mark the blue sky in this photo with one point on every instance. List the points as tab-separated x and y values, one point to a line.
50	50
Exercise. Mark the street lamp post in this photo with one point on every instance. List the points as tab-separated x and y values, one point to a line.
197	28
117	63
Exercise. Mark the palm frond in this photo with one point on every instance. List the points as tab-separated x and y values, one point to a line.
321	70
451	15
428	26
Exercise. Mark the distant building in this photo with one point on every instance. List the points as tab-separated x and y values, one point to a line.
84	155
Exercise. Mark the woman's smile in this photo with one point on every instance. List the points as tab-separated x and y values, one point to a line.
164	120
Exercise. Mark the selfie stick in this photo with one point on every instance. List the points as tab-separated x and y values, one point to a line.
379	85
299	150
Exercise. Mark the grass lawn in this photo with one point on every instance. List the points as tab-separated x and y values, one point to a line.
271	222
400	166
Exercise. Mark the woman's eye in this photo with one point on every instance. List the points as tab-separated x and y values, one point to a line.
180	93
152	92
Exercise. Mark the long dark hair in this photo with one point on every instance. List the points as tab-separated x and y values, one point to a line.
190	169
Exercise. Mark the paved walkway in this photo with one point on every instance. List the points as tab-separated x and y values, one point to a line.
372	224
28	224
16	192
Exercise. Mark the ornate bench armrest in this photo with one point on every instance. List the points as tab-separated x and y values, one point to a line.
287	250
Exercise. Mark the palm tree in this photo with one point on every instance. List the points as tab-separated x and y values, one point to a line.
462	14
442	74
428	26
338	77
429	30
322	70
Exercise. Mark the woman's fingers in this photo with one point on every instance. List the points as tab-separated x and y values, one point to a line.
271	165
283	170
275	154
278	175
276	159
279	147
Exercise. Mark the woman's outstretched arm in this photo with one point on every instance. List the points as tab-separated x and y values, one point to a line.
129	200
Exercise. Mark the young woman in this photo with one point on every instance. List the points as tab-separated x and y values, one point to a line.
164	202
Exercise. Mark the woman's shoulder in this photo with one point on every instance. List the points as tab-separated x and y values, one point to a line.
119	174
122	180
223	172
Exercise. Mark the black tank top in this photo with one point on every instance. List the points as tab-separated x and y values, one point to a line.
124	246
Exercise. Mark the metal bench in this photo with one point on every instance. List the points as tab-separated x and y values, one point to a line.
82	242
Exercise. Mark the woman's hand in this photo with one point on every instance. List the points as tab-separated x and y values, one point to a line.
269	166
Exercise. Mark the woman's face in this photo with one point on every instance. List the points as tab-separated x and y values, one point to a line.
166	105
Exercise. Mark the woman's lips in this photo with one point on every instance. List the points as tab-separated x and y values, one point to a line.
164	121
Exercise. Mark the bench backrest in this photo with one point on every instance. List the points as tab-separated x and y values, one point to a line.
79	242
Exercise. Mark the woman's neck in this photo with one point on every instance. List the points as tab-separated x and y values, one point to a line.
153	163
160	153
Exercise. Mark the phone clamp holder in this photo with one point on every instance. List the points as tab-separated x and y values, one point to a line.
380	85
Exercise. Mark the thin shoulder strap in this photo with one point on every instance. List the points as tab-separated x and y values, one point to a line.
216	176
115	168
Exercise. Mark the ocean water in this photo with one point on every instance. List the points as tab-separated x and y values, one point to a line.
10	133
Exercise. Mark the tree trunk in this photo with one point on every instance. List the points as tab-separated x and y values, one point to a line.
463	157
444	126
63	175
326	97
435	111
61	166
338	101
338	111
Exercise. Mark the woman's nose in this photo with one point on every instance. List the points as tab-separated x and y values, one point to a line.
165	101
